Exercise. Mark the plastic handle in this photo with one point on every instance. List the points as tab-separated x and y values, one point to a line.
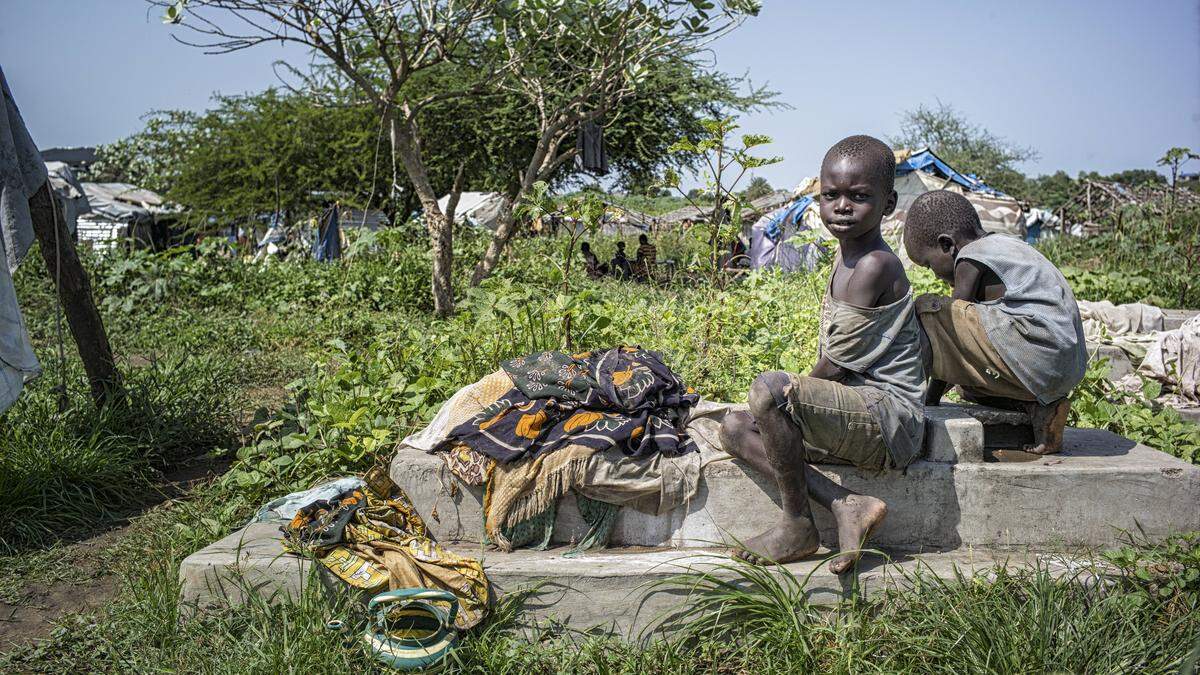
417	594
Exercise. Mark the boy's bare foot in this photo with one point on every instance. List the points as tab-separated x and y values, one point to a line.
1048	423
857	517
789	540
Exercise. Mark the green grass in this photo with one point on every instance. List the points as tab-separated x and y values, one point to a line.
298	370
1015	621
63	473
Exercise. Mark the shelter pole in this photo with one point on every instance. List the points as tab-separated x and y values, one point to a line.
75	294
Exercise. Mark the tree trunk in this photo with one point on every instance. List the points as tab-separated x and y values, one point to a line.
441	245
505	228
439	227
539	167
75	294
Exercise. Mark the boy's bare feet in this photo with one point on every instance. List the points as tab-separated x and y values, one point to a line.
790	540
857	517
1048	423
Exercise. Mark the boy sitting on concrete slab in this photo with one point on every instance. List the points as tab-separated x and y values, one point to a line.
861	403
1010	334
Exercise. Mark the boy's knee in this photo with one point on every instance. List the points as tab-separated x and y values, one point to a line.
768	392
734	427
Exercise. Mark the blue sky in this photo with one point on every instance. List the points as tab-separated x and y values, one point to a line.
1091	84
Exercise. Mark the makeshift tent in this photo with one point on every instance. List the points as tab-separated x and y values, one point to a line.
69	191
688	212
922	171
120	210
769	235
479	209
371	219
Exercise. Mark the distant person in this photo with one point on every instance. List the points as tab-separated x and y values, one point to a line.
647	257
1010	334
619	264
735	258
595	269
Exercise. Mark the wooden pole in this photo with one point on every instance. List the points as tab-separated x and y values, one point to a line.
75	295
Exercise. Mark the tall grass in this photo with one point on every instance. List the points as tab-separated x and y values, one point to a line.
64	473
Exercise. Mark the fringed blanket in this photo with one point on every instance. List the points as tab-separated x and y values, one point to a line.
624	397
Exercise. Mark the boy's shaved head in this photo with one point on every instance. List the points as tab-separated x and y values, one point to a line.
940	212
877	156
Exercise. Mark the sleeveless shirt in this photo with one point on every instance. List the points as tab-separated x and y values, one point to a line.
1035	327
881	349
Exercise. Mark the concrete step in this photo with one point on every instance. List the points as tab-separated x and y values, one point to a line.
1098	488
1174	318
613	589
1119	363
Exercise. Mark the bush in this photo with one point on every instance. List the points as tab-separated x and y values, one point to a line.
1140	258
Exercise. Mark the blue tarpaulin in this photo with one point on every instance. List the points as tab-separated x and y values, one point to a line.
791	216
930	163
328	244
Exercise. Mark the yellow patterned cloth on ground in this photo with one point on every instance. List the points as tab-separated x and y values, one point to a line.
383	542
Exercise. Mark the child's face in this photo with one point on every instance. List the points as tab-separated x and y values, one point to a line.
852	202
938	257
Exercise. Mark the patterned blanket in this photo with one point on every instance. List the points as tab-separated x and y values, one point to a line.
372	538
624	397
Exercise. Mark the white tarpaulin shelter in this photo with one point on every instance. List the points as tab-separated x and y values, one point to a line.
481	209
117	210
69	191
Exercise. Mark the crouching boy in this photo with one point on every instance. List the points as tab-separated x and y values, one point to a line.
861	403
1010	335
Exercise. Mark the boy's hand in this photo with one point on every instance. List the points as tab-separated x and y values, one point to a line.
935	392
824	369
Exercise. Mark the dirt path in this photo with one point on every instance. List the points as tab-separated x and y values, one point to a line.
81	583
37	588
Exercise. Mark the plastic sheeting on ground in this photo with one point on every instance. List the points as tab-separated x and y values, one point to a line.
1174	359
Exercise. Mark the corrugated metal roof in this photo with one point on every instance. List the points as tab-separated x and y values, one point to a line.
372	219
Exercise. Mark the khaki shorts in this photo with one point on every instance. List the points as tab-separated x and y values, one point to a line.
961	352
836	423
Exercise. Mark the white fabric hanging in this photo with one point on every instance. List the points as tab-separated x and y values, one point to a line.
22	173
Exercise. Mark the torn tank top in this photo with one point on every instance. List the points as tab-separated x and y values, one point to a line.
881	349
1035	327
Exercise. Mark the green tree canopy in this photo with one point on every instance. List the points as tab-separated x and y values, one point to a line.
965	145
254	153
757	187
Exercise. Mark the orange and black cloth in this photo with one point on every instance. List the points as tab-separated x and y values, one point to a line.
624	397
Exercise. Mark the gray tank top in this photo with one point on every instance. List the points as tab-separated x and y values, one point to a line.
881	348
1035	327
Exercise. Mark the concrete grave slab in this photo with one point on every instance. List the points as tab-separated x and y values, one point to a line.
1100	487
614	589
1174	318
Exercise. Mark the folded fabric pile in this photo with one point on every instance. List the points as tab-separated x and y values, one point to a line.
616	427
1129	327
1171	357
371	537
623	397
